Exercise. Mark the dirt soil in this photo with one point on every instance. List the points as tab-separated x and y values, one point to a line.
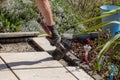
17	47
78	48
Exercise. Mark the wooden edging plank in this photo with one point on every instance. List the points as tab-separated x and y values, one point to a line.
18	34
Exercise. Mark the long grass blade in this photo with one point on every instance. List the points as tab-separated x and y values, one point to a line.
106	47
102	16
101	25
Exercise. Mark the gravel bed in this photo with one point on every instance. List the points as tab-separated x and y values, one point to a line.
17	47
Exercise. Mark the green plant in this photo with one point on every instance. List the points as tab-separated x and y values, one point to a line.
112	41
66	18
106	47
86	8
69	13
24	12
8	23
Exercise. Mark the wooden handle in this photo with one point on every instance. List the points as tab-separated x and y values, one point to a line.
44	26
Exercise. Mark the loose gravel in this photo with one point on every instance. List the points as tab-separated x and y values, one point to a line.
17	47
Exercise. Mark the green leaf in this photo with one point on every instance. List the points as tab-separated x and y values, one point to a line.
99	47
101	25
106	47
18	28
102	16
18	22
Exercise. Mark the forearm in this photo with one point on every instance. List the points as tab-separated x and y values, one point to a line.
44	8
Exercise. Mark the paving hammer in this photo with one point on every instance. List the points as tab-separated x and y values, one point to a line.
60	50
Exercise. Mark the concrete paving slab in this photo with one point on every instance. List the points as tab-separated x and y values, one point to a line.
45	74
7	75
30	60
79	73
2	66
43	43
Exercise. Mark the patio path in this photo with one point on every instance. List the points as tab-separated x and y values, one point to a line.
37	65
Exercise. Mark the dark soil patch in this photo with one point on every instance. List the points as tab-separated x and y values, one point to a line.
78	48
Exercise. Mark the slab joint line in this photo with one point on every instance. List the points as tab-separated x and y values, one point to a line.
10	68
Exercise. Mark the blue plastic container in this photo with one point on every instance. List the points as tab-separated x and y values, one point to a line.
114	28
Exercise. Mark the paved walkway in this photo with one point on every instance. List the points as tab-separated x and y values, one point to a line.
37	66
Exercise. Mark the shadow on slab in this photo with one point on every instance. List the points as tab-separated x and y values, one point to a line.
12	64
